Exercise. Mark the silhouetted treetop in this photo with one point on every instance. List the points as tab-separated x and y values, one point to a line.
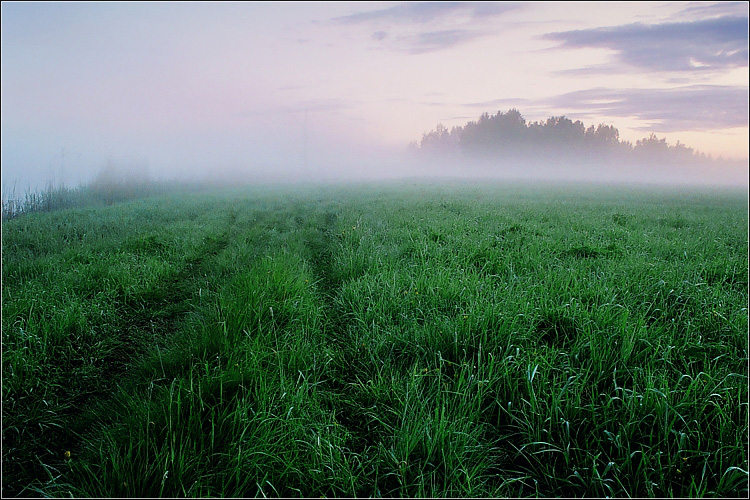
509	135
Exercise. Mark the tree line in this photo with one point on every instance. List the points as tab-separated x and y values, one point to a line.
509	135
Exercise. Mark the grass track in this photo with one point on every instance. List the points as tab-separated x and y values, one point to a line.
423	340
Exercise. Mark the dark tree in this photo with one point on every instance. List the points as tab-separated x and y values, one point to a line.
509	136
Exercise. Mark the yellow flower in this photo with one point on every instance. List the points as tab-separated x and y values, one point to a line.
67	454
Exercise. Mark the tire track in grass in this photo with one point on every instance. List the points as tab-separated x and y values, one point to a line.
263	375
319	244
148	316
370	412
158	310
255	275
341	391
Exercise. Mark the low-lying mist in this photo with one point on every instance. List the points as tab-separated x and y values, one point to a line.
297	163
339	167
284	149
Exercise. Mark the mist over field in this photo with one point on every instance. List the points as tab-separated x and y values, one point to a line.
243	92
330	162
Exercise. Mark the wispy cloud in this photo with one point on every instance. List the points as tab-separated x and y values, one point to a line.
690	108
426	12
591	70
419	27
702	10
437	40
312	105
709	44
485	105
677	109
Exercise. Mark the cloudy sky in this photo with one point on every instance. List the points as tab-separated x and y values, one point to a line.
201	86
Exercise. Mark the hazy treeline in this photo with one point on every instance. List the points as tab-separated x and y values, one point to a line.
510	136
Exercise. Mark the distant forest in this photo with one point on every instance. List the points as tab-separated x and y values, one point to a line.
509	136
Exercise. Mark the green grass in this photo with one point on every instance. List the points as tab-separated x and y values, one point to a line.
413	340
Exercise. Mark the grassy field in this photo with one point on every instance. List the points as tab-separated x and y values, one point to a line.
390	340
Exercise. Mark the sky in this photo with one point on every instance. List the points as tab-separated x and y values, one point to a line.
195	89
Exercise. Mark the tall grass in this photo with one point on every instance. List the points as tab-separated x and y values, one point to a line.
50	198
111	185
421	340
